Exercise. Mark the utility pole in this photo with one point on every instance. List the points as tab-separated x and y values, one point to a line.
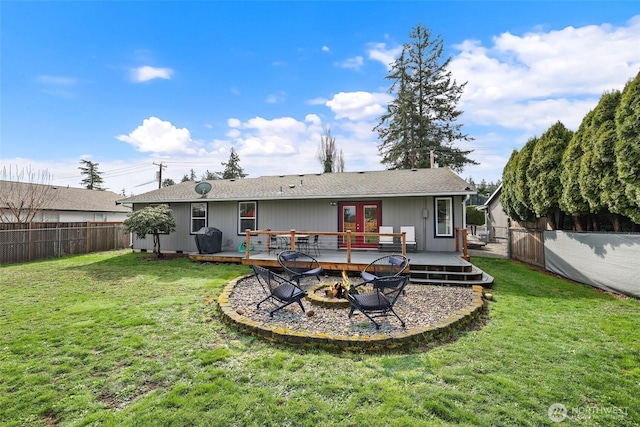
161	166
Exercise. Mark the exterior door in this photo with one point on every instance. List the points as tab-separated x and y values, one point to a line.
360	217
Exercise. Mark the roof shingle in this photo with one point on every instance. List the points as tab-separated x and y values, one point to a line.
387	183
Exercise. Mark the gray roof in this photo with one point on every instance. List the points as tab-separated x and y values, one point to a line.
386	183
495	194
64	198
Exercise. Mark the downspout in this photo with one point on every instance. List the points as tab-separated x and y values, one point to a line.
464	211
464	225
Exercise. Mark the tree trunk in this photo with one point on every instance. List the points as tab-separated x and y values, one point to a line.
617	226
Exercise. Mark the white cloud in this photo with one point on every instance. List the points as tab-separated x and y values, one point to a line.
316	101
533	80
354	63
146	73
325	48
158	136
359	105
386	55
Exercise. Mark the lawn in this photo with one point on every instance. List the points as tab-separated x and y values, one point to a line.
117	338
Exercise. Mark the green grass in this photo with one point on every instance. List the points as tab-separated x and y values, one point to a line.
116	339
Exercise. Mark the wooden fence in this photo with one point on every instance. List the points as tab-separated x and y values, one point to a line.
527	245
34	241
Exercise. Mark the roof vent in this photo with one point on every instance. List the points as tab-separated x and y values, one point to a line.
292	186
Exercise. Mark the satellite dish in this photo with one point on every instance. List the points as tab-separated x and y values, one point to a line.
203	188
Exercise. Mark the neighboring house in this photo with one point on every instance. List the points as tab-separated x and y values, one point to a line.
497	220
432	200
61	204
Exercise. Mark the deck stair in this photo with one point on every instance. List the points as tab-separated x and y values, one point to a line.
465	274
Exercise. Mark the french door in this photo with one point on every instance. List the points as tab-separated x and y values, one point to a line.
360	217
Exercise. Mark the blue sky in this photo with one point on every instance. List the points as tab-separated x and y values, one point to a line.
130	84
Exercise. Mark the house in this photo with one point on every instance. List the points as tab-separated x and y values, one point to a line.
431	200
50	203
496	219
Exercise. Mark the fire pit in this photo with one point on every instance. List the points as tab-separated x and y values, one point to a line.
331	295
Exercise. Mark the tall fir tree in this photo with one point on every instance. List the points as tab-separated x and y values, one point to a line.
232	168
92	177
422	117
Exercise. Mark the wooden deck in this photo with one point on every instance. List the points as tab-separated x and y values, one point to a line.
334	260
445	268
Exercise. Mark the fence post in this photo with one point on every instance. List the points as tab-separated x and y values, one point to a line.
59	241
88	241
32	249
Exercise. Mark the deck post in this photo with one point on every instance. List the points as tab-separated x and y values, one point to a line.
348	246
247	243
404	243
292	239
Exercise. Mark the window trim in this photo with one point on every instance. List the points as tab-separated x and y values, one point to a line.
192	218
436	217
240	218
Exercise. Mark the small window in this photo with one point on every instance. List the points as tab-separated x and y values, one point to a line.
444	217
198	216
247	217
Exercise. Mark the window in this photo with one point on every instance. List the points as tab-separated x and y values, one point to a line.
247	216
444	217
198	216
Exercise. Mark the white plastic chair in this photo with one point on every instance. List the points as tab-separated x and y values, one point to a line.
410	230
385	240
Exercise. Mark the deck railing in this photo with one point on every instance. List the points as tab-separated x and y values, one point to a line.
461	242
347	237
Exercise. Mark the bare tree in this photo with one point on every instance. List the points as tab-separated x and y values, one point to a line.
24	193
327	154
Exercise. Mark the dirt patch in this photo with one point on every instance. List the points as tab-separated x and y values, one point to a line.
165	257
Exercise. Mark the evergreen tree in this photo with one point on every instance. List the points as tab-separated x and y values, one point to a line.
192	175
572	200
208	176
232	168
508	194
543	173
422	117
522	197
597	168
185	177
93	178
167	182
628	146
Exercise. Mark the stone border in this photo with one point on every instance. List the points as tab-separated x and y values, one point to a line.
371	343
